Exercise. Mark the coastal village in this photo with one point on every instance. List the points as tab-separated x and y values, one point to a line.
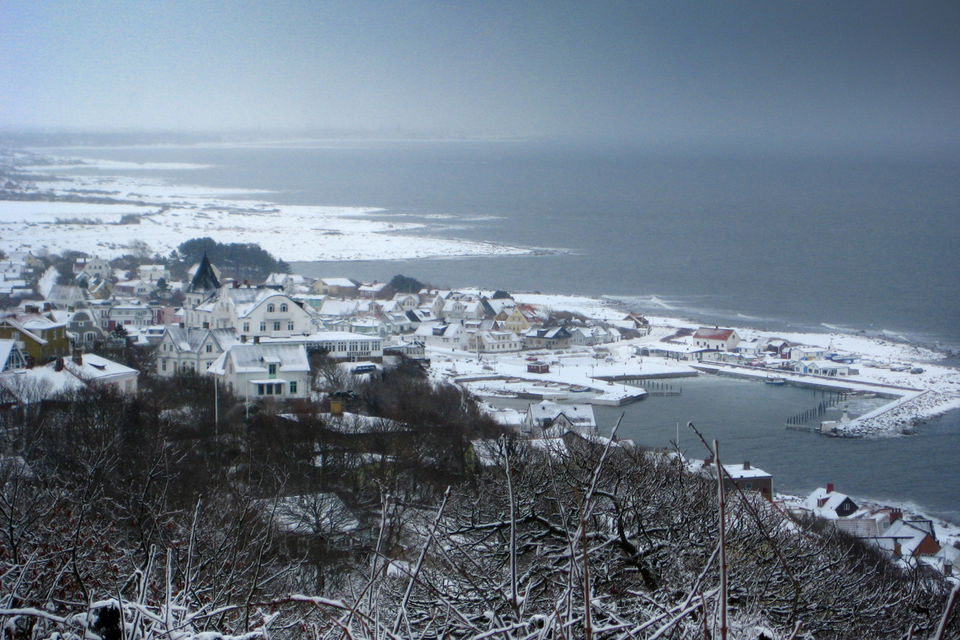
561	355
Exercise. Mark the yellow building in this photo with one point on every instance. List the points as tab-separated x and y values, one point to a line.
38	335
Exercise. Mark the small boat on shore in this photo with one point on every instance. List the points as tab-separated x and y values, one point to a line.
776	380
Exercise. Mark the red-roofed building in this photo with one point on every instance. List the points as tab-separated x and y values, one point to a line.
715	338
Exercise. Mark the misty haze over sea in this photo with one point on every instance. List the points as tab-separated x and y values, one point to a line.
855	242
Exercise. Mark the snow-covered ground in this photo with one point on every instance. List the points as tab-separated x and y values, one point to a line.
171	214
576	374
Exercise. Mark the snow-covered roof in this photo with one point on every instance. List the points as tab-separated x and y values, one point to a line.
546	412
908	534
708	333
745	470
39	383
338	282
254	358
38	321
94	368
356	423
339	336
373	287
831	501
342	308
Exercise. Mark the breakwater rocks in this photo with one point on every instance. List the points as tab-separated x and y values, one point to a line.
900	416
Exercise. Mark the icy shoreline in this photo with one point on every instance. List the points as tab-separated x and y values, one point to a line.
110	215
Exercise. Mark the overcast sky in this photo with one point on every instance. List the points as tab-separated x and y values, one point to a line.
837	71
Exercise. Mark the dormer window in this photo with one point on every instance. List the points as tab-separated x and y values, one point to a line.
270	308
283	307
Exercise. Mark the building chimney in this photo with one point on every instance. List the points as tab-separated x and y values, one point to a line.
896	549
895	515
746	465
58	365
183	325
77	357
947	567
829	487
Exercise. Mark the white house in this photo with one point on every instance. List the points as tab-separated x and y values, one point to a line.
288	282
251	311
100	372
490	341
466	308
274	370
808	353
93	269
126	314
184	350
715	338
589	336
343	287
822	368
559	418
436	334
153	272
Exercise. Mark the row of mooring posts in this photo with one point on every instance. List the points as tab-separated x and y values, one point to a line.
818	411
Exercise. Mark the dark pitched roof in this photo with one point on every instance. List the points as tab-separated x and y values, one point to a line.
204	279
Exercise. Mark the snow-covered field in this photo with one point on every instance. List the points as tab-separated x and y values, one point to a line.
171	214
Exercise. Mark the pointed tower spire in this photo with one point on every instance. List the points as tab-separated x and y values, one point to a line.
205	279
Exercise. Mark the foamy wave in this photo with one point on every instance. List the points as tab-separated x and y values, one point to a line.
838	328
115	165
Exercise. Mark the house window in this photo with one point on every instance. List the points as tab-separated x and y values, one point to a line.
209	348
276	325
283	307
290	326
246	327
278	389
270	308
272	369
293	387
260	389
163	365
263	326
206	325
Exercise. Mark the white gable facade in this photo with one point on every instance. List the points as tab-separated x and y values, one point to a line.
258	371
